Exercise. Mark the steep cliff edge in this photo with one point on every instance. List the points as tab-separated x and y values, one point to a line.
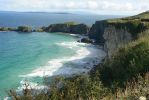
114	40
115	33
97	30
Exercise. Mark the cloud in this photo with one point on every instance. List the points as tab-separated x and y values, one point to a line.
93	4
49	5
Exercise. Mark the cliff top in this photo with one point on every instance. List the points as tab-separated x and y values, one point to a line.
142	17
135	24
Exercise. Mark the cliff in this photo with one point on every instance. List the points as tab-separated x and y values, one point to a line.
68	28
26	29
115	33
97	30
114	40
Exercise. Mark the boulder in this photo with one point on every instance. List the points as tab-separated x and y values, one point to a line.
86	40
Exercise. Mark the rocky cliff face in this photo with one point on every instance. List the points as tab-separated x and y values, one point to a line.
79	29
97	30
109	36
57	28
66	28
115	38
113	34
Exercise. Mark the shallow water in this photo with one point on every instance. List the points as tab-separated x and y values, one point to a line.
29	57
34	55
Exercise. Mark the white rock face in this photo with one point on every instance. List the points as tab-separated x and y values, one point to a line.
115	38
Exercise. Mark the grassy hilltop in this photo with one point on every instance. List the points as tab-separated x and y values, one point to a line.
134	24
124	76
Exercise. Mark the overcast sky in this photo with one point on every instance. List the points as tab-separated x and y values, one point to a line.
95	6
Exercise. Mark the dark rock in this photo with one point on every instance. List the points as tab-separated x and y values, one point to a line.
79	29
147	96
79	41
58	28
68	28
97	30
86	40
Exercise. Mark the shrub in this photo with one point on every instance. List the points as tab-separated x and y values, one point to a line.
4	29
70	23
128	62
75	88
24	29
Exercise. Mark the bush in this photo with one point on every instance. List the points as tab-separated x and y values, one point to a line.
128	62
70	23
24	29
39	30
75	88
4	29
133	26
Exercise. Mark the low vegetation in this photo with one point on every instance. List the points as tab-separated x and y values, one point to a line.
134	27
134	24
7	29
24	29
39	30
128	62
70	23
3	29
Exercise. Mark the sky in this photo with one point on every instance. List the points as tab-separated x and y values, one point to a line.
118	7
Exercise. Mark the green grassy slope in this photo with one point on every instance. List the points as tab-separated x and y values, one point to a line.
134	24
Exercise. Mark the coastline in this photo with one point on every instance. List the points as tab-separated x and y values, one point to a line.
85	60
118	69
83	65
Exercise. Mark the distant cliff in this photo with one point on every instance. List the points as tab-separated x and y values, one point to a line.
115	33
68	28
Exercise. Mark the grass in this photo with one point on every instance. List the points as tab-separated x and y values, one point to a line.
24	29
86	88
70	23
134	24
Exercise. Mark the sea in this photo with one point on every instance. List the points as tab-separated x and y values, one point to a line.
29	57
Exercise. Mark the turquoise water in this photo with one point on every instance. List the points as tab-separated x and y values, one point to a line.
21	53
34	55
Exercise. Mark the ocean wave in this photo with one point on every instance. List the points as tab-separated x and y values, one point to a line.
86	57
72	44
30	85
70	65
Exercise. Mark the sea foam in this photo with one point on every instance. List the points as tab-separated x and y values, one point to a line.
87	55
70	65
